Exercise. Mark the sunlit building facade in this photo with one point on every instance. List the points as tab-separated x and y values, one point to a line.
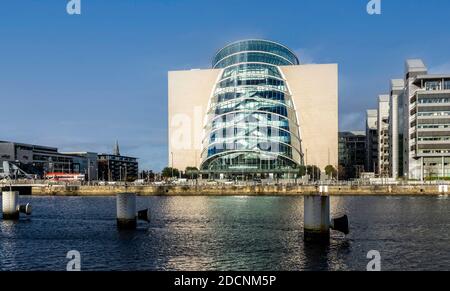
427	126
383	136
414	125
396	125
256	112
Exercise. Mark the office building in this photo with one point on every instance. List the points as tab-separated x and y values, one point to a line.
257	112
372	141
426	123
352	154
37	160
88	162
396	124
383	136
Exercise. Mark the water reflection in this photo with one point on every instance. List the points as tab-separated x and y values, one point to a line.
227	233
8	232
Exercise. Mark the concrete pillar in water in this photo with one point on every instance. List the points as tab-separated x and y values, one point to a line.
10	201
317	218
126	211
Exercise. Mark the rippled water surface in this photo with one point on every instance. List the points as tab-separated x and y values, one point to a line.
227	233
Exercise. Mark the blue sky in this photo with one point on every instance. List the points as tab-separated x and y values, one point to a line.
81	82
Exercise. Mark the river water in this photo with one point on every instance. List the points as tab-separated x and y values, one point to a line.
227	233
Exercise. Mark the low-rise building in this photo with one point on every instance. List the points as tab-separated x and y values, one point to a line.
39	160
88	162
117	168
42	161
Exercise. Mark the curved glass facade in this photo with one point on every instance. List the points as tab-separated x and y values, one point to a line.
252	124
256	51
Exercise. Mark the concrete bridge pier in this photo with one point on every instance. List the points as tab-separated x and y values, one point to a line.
10	201
127	216
317	218
10	206
317	223
126	211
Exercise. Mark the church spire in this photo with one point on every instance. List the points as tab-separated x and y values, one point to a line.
116	150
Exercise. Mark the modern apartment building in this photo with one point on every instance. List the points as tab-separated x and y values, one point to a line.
116	167
427	122
372	141
383	136
352	154
113	167
257	112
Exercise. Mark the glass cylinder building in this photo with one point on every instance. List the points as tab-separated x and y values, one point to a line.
252	125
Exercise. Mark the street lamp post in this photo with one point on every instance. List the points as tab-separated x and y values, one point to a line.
172	163
89	170
306	162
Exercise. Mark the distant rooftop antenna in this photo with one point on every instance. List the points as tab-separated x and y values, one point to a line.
116	151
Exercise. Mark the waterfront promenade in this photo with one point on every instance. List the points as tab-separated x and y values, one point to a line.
216	188
232	190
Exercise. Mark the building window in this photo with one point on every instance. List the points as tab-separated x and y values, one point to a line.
432	85
439	113
447	85
434	100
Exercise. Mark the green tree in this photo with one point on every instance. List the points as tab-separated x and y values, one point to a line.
168	172
331	171
301	171
191	172
314	172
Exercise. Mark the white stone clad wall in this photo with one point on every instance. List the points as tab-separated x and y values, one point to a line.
314	91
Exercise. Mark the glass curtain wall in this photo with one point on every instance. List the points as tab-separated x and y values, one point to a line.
252	125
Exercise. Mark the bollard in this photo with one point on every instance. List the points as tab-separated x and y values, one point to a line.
317	218
126	211
10	201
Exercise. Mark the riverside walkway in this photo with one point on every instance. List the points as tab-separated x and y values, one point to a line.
41	188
